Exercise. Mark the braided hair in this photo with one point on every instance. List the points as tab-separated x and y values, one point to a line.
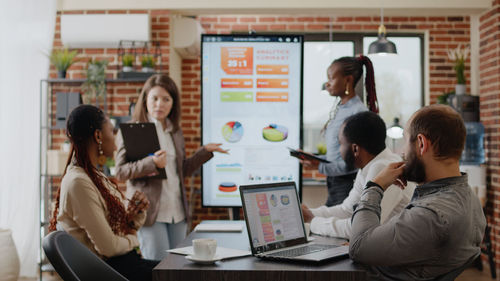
83	121
354	66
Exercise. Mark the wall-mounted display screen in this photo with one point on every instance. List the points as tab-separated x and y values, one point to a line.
251	103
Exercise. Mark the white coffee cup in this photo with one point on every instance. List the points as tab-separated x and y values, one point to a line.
307	227
204	248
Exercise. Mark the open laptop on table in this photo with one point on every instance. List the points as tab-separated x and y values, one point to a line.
275	225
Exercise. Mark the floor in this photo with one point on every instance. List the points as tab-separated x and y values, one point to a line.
471	274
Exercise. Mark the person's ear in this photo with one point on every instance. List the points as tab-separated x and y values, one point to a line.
355	149
349	80
97	136
423	144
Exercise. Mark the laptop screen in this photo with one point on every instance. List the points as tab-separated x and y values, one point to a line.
273	216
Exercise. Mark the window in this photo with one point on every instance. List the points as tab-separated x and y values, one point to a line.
398	79
317	103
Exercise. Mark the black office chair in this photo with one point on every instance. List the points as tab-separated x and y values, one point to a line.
450	276
75	262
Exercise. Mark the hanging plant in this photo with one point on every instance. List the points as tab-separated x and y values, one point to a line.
95	85
148	63
128	62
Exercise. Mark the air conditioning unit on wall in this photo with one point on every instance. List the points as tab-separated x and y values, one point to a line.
103	31
186	37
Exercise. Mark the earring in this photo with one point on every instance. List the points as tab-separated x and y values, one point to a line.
101	159
346	92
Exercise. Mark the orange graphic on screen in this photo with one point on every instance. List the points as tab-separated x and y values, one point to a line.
272	83
272	96
236	83
265	217
272	69
237	60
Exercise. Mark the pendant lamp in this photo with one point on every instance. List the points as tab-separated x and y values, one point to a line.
382	46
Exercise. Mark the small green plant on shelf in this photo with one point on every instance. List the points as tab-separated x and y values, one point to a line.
62	60
443	99
148	63
128	62
95	85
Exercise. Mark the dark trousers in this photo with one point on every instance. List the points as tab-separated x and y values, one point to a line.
132	266
338	188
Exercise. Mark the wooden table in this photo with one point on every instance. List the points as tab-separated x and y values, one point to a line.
176	267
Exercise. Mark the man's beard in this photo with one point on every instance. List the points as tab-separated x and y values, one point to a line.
415	169
349	160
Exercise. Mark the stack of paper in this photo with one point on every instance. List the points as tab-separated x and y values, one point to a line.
218	227
223	253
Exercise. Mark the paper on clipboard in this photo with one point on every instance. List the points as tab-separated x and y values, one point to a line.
141	140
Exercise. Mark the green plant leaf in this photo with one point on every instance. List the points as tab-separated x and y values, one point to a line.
63	59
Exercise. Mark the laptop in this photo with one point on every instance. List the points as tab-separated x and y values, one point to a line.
276	228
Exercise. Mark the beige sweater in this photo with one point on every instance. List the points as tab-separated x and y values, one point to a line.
83	214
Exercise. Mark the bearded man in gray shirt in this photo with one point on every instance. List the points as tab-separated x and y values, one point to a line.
442	227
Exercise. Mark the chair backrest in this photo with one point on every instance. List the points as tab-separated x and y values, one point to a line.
75	262
450	276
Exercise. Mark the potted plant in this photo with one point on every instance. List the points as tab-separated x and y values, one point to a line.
128	62
148	63
458	56
95	86
62	60
443	99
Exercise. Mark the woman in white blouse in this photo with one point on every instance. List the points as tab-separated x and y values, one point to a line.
165	226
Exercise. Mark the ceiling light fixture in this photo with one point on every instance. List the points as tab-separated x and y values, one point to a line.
382	46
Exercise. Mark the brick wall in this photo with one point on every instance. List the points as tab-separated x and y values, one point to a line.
444	33
489	92
120	95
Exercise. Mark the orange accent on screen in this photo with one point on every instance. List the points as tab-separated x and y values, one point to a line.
237	60
272	83
272	96
236	83
270	69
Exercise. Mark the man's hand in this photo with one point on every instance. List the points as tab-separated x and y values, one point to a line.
391	175
306	213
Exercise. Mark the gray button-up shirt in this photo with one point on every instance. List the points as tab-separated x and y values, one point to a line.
440	230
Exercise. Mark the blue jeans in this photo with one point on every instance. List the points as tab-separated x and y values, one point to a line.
156	239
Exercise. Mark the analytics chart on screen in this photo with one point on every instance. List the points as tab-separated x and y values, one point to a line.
252	104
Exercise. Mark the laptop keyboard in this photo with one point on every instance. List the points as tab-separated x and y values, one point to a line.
301	251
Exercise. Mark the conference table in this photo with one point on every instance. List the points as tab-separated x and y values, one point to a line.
177	267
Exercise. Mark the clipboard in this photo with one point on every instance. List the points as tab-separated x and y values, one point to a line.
304	155
140	140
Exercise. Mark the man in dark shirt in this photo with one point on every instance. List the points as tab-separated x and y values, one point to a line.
442	227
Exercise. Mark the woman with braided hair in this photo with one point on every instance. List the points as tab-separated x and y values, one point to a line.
343	75
90	207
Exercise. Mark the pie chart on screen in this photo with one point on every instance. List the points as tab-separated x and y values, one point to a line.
275	133
232	131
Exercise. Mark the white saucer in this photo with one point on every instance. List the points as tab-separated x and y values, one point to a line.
203	261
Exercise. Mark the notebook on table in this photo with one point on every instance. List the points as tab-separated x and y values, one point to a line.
276	228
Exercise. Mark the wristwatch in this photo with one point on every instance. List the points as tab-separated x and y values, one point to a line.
370	184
